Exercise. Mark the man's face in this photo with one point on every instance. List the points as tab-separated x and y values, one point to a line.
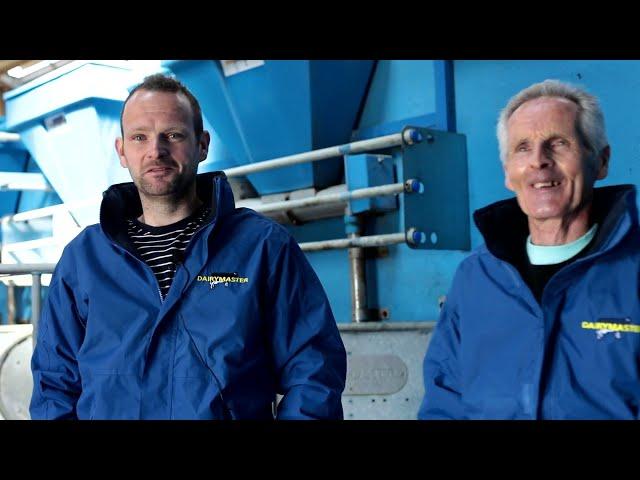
547	166
159	146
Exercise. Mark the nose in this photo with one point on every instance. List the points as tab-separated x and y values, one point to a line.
540	158
157	148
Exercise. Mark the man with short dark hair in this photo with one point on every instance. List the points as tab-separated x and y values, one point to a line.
543	320
178	305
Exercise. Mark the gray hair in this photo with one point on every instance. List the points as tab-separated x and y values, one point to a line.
589	121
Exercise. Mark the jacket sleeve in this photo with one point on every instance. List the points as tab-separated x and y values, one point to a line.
56	380
441	368
309	355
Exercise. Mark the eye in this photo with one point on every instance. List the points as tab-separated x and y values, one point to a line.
523	147
559	142
137	137
175	136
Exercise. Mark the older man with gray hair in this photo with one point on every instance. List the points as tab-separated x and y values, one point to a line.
543	320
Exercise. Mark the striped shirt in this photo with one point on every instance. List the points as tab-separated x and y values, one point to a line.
162	247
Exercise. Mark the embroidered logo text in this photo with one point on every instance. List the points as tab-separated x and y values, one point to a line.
224	279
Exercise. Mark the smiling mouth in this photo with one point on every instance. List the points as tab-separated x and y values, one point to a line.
545	185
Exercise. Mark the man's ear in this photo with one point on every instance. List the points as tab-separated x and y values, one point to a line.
603	163
203	145
120	152
507	182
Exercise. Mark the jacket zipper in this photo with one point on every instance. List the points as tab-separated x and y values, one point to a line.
195	234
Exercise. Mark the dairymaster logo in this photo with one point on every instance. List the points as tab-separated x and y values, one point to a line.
221	278
613	326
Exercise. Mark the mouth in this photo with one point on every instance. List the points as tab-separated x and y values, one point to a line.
159	170
545	185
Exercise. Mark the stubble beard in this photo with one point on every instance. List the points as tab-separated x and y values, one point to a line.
176	188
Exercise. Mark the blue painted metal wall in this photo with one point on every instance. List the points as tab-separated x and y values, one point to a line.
400	89
483	88
405	282
409	282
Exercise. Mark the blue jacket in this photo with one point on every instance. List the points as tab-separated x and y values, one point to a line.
497	353
109	348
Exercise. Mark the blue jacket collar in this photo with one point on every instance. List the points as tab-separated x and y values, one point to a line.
122	201
505	228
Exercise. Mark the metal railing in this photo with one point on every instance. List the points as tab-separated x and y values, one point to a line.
369	192
408	136
36	270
